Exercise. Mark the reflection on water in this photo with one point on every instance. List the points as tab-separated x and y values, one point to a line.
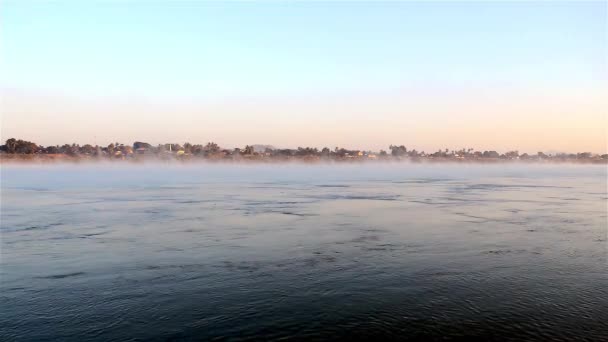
308	252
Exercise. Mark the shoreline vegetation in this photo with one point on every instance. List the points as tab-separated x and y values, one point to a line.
17	150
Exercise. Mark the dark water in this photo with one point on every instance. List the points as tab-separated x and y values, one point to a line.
98	253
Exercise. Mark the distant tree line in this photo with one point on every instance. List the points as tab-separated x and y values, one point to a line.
213	150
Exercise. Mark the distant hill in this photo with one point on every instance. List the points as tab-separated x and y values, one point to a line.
261	148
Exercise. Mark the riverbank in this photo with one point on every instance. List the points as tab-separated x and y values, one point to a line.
135	159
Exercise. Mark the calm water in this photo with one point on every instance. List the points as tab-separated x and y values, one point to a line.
97	253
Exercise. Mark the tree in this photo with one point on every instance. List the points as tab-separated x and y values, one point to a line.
68	149
20	146
51	150
583	155
307	151
197	149
87	149
398	151
212	148
342	152
139	144
26	147
11	145
188	147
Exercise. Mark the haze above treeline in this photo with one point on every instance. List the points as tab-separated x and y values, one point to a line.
19	149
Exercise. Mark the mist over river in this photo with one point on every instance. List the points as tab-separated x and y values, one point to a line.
100	252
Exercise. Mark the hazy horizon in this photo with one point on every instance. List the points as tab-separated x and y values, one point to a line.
491	76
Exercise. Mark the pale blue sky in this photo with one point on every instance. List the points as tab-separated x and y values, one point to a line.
282	54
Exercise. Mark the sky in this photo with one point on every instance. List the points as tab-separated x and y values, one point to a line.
527	76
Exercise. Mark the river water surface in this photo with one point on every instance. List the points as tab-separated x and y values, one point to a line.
268	252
